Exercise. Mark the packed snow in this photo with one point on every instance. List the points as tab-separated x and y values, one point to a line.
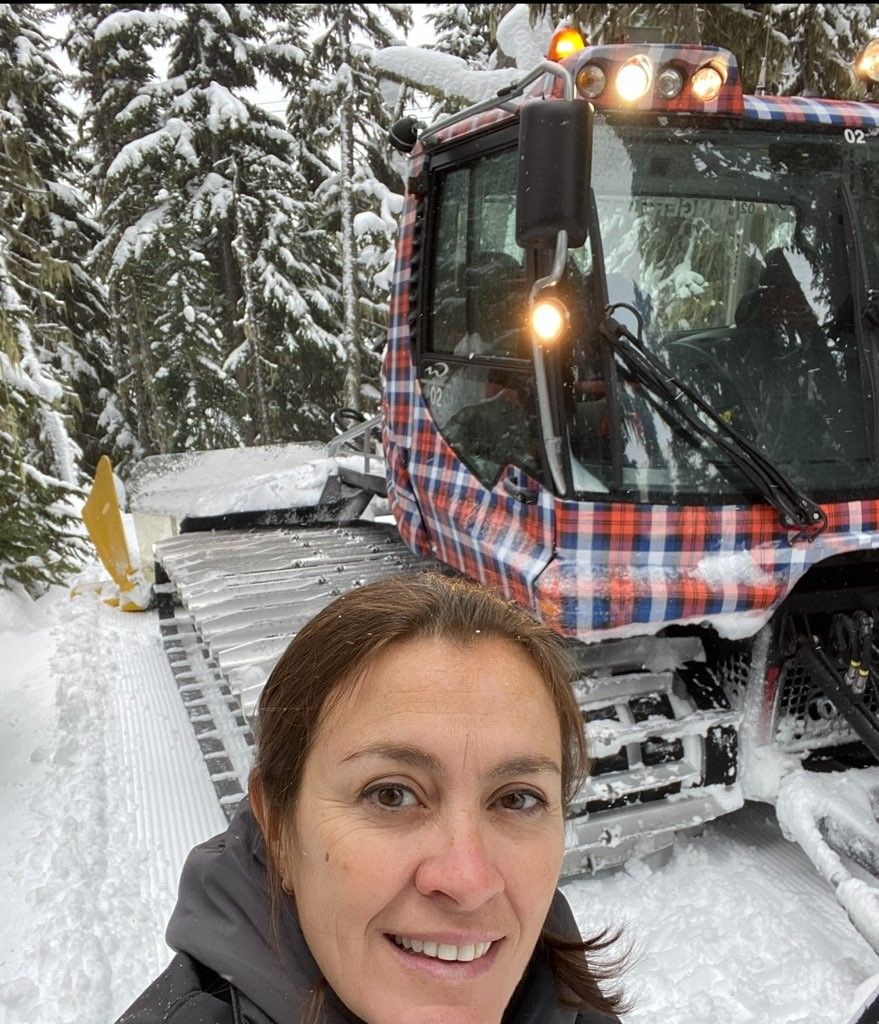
103	791
231	480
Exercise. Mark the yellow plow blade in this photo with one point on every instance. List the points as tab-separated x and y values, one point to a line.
103	520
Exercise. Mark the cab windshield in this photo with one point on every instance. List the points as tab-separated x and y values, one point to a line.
728	250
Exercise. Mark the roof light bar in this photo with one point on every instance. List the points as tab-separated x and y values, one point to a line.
652	76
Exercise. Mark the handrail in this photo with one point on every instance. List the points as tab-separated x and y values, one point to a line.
545	67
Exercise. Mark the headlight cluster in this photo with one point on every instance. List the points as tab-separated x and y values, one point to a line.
638	75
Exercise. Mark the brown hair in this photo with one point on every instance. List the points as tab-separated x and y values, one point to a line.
330	654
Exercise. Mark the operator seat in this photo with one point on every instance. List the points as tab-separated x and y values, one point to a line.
780	346
778	301
497	303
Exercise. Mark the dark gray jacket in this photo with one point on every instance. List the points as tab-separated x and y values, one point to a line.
231	969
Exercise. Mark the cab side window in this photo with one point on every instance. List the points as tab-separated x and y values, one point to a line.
478	301
475	367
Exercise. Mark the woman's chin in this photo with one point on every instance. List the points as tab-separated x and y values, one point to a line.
436	1013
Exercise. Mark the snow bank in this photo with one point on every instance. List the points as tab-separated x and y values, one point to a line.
103	792
735	927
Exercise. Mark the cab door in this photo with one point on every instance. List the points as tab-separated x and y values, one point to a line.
481	491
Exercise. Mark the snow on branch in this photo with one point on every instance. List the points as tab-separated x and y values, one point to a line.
521	41
122	21
224	108
440	74
132	156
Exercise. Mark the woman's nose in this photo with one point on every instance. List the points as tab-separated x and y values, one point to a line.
460	865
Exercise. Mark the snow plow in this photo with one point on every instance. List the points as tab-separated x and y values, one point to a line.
631	382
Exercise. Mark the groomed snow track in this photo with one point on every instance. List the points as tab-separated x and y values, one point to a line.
238	597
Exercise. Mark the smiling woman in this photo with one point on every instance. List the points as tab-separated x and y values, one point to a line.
397	860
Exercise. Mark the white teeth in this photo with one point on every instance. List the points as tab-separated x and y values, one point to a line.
443	950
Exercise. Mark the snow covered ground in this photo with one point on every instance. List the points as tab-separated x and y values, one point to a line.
103	791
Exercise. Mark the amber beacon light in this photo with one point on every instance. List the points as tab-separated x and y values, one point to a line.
565	42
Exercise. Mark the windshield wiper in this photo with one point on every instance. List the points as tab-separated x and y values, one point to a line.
796	509
866	301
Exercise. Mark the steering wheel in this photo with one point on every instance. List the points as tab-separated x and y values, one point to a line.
699	367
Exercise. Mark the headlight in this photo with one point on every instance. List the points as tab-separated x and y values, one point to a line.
633	79
549	320
669	83
707	83
591	81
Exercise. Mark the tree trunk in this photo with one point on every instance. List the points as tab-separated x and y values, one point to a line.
249	320
351	394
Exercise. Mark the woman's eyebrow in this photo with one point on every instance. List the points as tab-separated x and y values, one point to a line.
524	766
415	757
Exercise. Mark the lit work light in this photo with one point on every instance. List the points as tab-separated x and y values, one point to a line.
549	320
707	83
633	79
867	62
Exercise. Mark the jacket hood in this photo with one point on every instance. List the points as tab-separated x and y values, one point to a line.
223	920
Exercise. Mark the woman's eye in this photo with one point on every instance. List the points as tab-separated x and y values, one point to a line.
521	800
391	797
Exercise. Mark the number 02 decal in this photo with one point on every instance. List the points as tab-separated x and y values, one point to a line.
855	135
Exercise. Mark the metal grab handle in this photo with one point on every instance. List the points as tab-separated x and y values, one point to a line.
526	495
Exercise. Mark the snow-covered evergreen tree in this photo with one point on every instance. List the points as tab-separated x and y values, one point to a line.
46	300
344	112
109	44
227	232
468	31
69	328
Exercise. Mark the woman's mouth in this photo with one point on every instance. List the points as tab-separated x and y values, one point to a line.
443	950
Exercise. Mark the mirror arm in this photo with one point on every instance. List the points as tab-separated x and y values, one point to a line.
559	261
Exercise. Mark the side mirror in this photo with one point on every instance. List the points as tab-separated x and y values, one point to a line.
555	163
404	134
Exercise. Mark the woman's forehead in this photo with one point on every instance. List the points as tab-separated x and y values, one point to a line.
424	689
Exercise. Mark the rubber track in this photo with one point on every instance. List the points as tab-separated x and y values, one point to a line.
223	736
369	550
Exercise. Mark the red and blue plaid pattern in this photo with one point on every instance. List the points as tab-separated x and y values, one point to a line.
593	569
802	110
620	566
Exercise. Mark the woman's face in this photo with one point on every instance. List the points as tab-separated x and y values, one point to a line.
428	836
